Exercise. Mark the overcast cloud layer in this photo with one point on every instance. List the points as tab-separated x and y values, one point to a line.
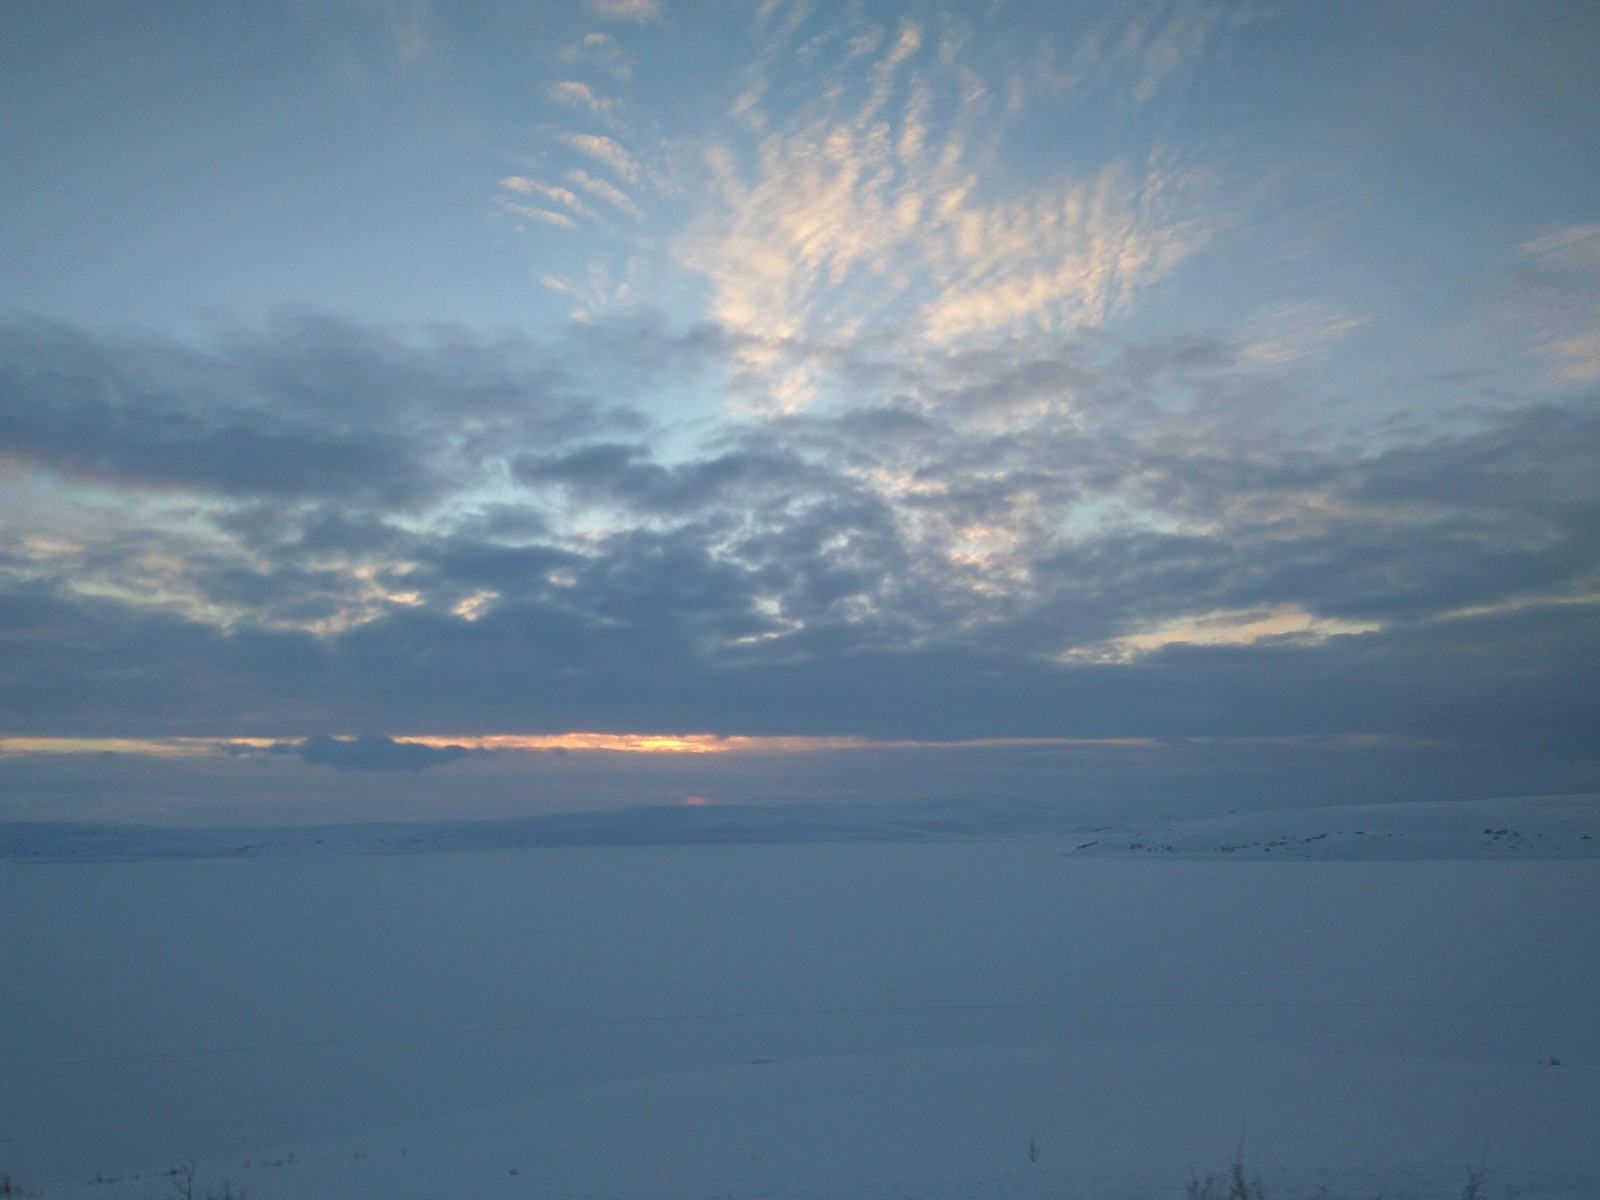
856	399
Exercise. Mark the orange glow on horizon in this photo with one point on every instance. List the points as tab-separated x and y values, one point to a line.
711	743
175	747
611	743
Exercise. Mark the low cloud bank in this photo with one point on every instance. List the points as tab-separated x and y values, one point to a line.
375	753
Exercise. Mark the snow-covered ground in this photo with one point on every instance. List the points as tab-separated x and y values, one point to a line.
1523	828
895	1017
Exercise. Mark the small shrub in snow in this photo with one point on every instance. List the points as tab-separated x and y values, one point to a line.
181	1180
1235	1187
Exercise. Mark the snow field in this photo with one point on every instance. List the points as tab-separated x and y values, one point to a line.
867	1020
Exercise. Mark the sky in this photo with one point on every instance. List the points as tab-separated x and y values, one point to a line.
413	410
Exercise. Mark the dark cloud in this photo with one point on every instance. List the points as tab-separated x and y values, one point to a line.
624	475
368	753
1520	681
954	560
312	408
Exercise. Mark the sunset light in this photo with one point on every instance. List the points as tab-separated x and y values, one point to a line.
797	599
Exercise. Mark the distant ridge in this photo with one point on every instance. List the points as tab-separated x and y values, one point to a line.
1509	828
661	825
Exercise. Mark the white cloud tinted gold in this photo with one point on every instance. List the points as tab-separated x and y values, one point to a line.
870	209
606	151
533	213
564	197
605	190
1220	628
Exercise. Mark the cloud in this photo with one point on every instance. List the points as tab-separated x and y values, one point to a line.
1239	627
309	409
623	474
262	478
1055	261
1071	536
1139	47
543	215
161	415
606	191
369	753
868	211
601	50
642	11
580	95
524	186
1160	47
411	36
1286	333
606	151
1561	297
